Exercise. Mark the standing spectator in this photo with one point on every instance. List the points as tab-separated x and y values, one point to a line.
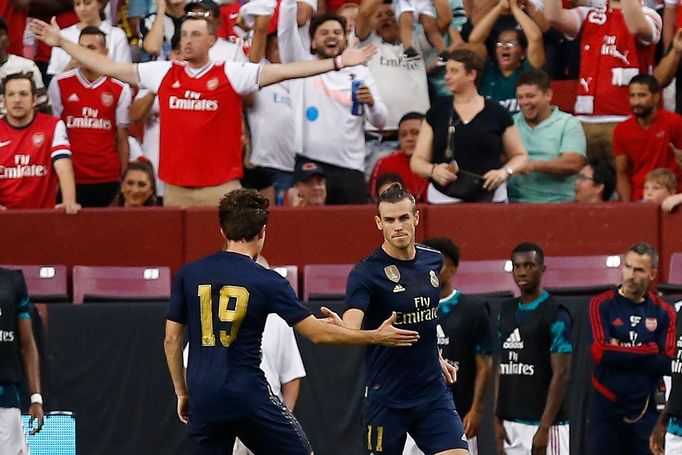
402	84
35	153
15	13
18	357
398	162
617	42
325	130
95	110
596	182
465	341
516	51
310	185
198	168
555	142
643	142
469	133
11	63
222	50
659	184
633	340
89	12
157	29
535	360
425	12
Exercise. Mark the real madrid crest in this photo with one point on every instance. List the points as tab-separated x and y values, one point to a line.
392	273
435	282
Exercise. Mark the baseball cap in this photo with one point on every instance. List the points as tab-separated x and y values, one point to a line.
306	169
3	24
206	5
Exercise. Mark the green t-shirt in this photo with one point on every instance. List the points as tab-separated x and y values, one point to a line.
499	88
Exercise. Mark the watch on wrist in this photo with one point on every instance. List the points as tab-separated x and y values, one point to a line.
509	171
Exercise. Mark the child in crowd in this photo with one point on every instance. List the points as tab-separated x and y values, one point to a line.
658	185
425	12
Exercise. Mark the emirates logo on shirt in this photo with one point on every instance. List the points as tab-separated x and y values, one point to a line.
212	83
38	139
107	99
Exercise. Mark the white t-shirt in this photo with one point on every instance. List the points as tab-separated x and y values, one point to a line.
281	360
117	43
150	141
16	64
227	51
325	129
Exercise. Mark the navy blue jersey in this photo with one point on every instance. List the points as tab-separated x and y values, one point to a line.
632	346
379	284
225	299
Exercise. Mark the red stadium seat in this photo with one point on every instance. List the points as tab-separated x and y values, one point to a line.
45	283
102	284
290	272
325	280
485	277
576	274
675	272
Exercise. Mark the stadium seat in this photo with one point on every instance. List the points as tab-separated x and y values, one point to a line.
325	281
290	272
109	284
45	283
490	277
573	275
675	271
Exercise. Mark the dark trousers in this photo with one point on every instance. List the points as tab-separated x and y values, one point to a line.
95	194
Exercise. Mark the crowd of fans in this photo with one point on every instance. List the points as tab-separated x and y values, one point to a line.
456	103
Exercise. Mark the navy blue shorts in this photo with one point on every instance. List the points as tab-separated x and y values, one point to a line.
434	426
271	430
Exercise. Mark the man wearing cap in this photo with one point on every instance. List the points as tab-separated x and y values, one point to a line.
11	64
310	185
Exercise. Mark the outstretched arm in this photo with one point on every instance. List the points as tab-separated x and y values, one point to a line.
50	35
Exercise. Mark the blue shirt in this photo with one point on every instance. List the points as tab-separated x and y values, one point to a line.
225	299
379	284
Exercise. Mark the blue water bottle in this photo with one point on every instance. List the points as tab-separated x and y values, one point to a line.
357	108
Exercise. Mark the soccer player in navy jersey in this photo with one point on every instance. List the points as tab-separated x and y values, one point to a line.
633	342
225	299
405	389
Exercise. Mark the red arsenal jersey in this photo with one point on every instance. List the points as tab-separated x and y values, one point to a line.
609	57
200	115
91	112
28	180
399	163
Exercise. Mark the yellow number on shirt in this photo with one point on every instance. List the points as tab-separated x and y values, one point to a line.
379	438
228	294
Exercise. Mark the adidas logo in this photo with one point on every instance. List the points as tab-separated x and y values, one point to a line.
398	288
176	84
513	341
73	98
464	437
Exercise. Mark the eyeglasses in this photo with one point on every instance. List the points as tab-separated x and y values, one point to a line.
583	177
196	14
507	44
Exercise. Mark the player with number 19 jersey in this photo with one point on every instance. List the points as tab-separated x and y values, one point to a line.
225	299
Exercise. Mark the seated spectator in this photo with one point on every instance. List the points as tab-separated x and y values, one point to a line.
555	142
36	155
310	185
617	42
658	185
138	188
157	29
646	140
398	162
90	12
11	63
468	133
596	182
516	51
385	181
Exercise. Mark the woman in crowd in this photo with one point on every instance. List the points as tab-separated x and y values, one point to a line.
138	187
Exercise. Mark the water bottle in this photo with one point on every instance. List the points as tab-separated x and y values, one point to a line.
357	108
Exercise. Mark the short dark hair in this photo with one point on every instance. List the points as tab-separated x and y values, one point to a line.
322	18
520	36
18	76
648	80
470	60
388	177
446	246
644	249
212	30
528	247
603	173
536	77
243	213
411	116
394	194
92	30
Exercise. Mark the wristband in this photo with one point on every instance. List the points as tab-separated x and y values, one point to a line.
36	398
338	63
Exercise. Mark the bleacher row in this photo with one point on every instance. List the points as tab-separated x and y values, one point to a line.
566	275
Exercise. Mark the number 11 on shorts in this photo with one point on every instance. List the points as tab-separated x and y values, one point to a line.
378	446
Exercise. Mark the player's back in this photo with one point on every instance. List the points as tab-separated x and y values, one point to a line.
225	299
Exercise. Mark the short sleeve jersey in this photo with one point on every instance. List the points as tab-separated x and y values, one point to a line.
380	284
225	300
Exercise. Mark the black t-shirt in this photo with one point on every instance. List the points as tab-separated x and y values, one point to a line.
478	144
